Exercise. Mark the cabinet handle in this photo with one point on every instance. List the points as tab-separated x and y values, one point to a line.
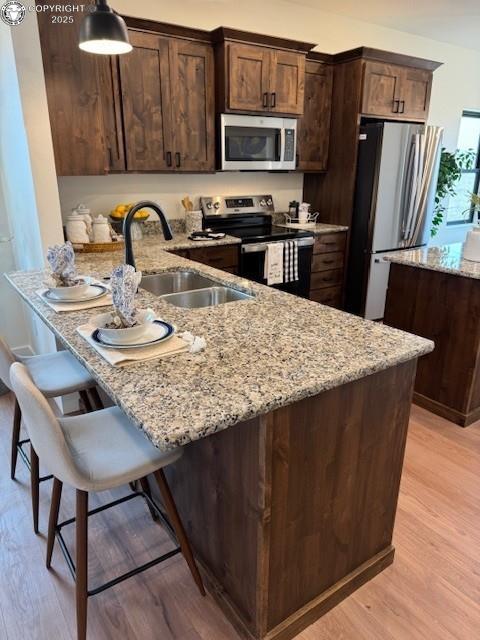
396	106
265	99
297	160
169	158
177	159
273	101
403	106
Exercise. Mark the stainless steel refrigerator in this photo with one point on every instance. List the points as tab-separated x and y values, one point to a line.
396	180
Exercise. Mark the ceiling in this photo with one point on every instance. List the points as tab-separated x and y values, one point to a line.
454	21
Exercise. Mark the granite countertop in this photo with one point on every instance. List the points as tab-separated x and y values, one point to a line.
261	354
181	241
319	229
447	258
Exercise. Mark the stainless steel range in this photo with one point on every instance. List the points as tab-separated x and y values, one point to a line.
250	218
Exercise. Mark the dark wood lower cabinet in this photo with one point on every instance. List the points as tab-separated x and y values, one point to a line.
290	512
328	261
225	257
446	309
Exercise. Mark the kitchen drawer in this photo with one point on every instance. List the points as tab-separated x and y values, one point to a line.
326	261
329	278
329	242
220	257
331	296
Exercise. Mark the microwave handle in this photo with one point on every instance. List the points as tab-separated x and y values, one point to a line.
282	144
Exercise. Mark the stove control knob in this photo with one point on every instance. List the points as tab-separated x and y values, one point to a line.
269	202
262	202
209	205
217	205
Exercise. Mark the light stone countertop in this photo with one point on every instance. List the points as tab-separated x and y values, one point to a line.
319	229
181	241
261	354
447	258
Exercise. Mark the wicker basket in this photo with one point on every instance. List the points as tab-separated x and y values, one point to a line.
99	247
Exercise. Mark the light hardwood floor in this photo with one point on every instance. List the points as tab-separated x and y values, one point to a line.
432	591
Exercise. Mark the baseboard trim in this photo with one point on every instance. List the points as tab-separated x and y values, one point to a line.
309	613
453	415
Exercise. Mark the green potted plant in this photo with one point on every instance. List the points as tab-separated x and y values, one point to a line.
452	163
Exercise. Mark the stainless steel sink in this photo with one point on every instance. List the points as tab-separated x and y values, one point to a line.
210	297
161	284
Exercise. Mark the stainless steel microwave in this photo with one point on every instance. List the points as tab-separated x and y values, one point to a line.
257	143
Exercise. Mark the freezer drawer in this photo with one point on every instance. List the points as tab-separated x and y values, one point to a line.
377	287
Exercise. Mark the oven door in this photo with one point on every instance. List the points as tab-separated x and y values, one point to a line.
252	264
255	143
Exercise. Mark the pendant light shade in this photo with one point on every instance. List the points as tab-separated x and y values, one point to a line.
103	31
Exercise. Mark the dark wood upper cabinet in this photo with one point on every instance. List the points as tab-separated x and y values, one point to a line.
396	92
145	87
259	74
248	77
287	82
81	102
314	126
192	81
168	104
264	80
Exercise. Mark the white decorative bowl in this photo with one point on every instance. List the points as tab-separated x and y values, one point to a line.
71	293
471	249
128	335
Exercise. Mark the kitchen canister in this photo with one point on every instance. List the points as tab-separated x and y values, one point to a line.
77	229
471	248
193	221
101	230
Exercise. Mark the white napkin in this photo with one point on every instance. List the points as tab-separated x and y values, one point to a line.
104	301
123	358
273	270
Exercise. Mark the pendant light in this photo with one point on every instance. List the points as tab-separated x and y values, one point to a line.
103	31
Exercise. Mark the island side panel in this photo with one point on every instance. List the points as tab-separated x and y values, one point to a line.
221	486
336	468
445	308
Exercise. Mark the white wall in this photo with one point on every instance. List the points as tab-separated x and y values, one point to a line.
456	87
102	193
30	207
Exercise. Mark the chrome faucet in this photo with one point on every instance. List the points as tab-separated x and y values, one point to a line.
127	223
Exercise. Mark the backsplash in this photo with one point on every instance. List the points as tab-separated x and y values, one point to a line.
102	193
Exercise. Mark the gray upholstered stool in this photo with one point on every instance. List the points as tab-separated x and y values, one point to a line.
94	452
55	374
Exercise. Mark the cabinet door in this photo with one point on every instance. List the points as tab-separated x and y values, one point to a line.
287	82
248	77
145	87
74	101
314	127
193	107
381	92
416	87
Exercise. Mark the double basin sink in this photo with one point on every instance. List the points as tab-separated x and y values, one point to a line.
190	290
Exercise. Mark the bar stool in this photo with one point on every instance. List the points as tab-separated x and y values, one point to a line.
55	374
97	451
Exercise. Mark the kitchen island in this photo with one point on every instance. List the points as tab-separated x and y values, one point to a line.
294	422
435	293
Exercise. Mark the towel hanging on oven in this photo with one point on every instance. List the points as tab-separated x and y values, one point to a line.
290	261
274	264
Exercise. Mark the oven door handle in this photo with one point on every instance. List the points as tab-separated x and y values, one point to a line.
262	246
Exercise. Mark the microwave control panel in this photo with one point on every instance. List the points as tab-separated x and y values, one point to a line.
289	153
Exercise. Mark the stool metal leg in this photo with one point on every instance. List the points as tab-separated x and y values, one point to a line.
35	486
174	518
95	396
86	401
17	420
53	519
146	489
81	561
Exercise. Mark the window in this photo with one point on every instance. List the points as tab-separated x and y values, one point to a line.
460	209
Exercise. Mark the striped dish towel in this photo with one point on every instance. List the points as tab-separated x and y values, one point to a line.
290	261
